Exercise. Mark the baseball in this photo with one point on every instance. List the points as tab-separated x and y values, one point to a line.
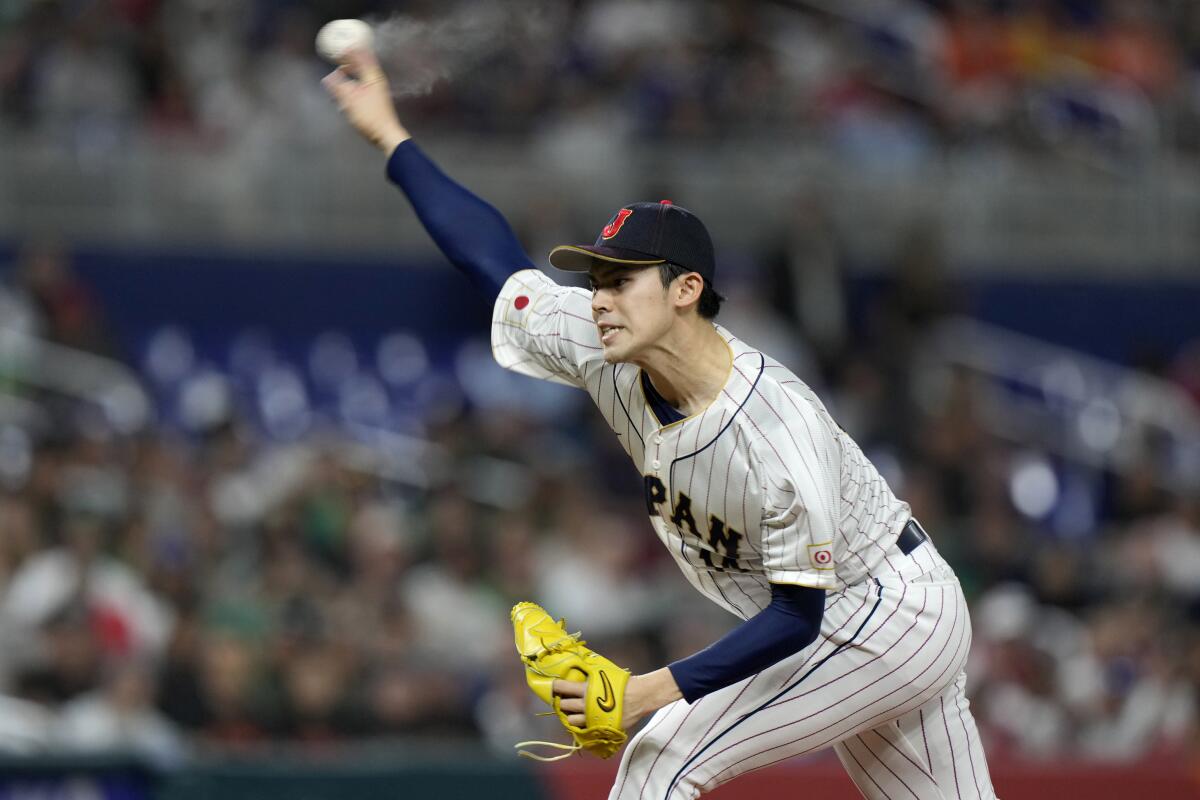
337	38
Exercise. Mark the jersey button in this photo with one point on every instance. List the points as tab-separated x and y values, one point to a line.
656	463
658	439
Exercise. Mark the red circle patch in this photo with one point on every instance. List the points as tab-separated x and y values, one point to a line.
822	556
521	302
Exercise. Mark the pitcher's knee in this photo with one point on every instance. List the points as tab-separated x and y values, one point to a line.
652	772
651	784
687	788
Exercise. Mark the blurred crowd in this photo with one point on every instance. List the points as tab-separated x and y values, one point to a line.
177	590
885	80
207	581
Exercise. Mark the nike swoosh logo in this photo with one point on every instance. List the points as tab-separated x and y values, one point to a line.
608	700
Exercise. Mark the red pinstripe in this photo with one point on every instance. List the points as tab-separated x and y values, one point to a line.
869	776
903	754
924	738
550	335
719	717
737	432
953	760
580	317
883	764
645	735
959	654
843	700
859	645
567	350
763	437
827	639
780	703
663	748
629	758
963	642
967	738
699	424
791	399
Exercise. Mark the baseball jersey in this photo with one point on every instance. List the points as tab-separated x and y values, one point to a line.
760	487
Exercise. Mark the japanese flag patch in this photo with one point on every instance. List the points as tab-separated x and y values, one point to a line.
821	556
519	308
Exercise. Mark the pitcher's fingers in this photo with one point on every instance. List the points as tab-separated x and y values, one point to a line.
362	64
338	84
578	720
572	704
569	688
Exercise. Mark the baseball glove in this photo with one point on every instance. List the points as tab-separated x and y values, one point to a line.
550	653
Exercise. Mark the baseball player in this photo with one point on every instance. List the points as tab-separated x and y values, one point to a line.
855	630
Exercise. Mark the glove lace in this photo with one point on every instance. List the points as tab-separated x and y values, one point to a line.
558	645
562	642
571	749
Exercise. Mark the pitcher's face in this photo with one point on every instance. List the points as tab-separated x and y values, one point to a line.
631	309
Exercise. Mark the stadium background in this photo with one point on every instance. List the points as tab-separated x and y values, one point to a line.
265	501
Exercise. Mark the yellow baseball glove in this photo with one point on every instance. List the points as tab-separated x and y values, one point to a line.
550	653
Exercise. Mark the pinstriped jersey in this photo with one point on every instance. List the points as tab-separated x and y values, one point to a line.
760	487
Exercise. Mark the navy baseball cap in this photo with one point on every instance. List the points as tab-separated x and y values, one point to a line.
642	235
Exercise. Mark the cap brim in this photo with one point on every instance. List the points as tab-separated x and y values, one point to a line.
581	258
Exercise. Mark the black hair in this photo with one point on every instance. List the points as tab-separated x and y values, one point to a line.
710	301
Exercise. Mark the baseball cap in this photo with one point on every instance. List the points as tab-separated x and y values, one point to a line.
644	234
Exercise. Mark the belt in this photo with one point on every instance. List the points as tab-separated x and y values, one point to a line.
911	537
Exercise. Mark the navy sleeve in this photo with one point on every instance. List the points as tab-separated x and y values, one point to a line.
789	624
469	231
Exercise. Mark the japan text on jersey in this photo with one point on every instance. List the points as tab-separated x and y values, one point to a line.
761	487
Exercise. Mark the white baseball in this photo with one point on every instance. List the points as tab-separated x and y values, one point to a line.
337	38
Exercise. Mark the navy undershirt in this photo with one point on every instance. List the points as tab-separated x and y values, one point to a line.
785	627
477	240
468	230
663	411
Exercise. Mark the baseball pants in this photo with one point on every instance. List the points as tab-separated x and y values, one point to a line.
882	684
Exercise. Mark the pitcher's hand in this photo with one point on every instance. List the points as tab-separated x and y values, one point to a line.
364	97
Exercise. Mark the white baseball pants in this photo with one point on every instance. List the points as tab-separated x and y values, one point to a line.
882	685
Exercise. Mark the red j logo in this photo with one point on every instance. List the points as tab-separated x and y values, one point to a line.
610	230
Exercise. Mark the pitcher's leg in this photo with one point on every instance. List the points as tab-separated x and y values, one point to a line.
672	736
895	652
885	764
946	729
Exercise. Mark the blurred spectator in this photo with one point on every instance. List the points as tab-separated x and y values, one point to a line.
318	705
85	88
120	718
68	660
420	698
235	705
202	584
451	586
78	581
24	726
805	280
1163	551
69	313
590	574
93	75
327	607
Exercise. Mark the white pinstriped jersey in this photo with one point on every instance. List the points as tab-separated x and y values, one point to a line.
761	487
